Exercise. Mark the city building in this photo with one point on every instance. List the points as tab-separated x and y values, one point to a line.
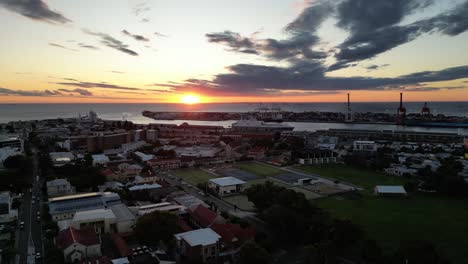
65	207
364	146
226	185
59	187
78	245
197	246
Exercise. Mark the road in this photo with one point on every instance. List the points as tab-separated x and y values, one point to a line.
30	237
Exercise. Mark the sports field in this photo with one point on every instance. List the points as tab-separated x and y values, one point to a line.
364	178
194	176
259	169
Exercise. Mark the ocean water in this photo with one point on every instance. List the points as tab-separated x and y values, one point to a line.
132	112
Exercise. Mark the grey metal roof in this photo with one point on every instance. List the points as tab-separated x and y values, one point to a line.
226	181
199	237
390	189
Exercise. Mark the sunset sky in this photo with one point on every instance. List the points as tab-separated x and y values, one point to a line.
129	51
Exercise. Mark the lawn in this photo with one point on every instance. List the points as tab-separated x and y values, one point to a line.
194	176
262	181
259	169
391	220
364	178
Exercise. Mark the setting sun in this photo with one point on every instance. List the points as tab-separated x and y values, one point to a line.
190	99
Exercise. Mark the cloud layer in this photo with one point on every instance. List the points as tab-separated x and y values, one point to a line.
34	9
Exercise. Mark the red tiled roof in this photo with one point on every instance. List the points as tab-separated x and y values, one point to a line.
71	235
204	216
233	233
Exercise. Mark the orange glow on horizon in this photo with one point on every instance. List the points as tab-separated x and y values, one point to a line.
190	99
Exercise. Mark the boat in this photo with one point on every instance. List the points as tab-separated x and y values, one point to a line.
253	125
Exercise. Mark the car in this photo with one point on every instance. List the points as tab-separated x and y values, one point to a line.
38	218
38	255
33	201
38	213
21	225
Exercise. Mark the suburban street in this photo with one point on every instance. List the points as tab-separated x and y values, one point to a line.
30	237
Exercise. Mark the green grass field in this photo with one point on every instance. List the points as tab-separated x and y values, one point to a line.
261	170
442	221
364	178
194	176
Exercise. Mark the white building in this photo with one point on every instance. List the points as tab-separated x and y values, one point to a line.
59	187
365	146
226	185
115	219
100	159
142	156
389	190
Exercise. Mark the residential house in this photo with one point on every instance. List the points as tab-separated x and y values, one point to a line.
78	245
197	246
59	187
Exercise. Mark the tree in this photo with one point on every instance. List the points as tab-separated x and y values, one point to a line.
252	253
15	162
157	226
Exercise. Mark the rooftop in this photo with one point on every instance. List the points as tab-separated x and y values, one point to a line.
390	189
199	237
94	214
226	181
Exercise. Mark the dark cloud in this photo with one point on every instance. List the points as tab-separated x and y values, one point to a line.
302	37
61	46
34	9
112	42
234	41
375	67
306	76
360	16
102	85
136	37
79	91
366	41
86	46
6	91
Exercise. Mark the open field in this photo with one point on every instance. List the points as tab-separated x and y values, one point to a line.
261	170
391	220
364	178
263	180
194	176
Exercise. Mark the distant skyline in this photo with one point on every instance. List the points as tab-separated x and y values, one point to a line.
147	51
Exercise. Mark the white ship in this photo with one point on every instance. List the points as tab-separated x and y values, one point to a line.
253	125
